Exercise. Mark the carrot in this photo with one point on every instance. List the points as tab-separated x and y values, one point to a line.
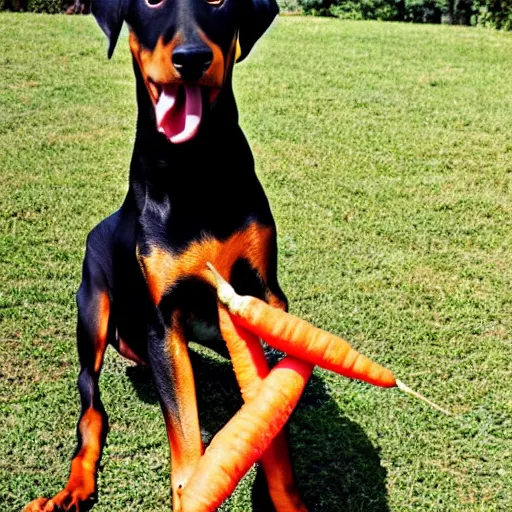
250	366
269	400
304	341
299	338
246	353
243	440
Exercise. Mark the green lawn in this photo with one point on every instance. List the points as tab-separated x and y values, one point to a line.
386	152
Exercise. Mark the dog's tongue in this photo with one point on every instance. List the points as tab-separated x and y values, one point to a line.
178	112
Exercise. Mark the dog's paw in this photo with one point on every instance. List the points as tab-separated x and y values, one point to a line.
36	505
65	501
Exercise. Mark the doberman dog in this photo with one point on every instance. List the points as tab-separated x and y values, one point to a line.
193	197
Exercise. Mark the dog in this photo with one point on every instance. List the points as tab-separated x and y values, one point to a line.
193	198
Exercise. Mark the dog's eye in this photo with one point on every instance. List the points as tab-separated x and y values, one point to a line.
215	3
154	3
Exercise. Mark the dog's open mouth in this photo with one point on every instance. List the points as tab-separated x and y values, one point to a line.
179	110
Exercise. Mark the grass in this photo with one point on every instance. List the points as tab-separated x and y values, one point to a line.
386	152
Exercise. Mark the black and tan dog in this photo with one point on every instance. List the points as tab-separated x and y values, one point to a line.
193	197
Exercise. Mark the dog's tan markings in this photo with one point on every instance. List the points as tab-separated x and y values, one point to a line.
162	268
238	49
182	423
125	350
90	427
157	63
216	72
156	267
102	330
280	477
82	479
234	54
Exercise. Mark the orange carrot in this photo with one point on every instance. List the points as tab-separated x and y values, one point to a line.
270	400
250	366
300	339
304	341
243	440
246	353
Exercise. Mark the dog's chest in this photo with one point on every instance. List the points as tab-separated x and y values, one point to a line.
164	268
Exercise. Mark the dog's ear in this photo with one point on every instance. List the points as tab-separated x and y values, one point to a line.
110	16
256	17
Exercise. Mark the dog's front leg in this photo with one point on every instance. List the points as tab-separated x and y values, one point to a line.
92	338
174	379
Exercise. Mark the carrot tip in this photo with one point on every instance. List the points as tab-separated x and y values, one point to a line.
225	291
406	389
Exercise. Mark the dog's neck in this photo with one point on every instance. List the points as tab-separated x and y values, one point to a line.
202	178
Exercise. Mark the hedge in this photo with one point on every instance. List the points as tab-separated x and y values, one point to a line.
494	13
489	13
48	6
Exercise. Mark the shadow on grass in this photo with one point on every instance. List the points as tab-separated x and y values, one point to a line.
337	466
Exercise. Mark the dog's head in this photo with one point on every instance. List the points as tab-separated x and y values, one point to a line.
185	50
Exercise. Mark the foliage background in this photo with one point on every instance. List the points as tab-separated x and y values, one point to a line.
488	13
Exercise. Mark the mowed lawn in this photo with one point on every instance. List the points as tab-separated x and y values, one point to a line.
386	152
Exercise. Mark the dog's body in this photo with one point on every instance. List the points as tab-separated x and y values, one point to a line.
193	197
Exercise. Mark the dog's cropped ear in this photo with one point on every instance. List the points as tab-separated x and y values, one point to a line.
110	16
256	17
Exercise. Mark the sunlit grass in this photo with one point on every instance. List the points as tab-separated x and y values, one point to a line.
386	152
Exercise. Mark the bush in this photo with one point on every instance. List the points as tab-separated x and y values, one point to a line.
288	5
48	6
489	13
424	11
13	5
316	7
386	10
493	13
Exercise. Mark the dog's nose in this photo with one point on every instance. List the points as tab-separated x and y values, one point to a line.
192	60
